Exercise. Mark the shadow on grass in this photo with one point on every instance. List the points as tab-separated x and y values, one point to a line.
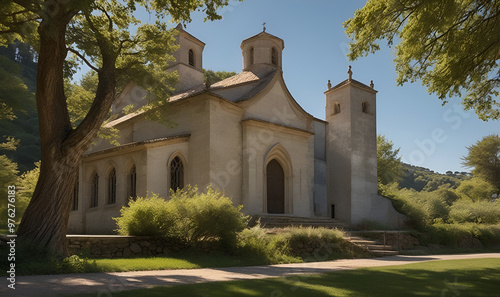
477	277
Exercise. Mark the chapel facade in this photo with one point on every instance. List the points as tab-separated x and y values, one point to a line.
246	135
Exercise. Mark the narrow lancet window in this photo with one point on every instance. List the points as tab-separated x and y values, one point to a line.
176	174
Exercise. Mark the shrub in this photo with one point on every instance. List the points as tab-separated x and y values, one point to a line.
319	244
149	216
272	249
423	208
188	215
208	215
448	196
454	235
484	212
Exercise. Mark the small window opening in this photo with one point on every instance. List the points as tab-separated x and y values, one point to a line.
132	184
274	56
336	108
365	107
251	56
112	187
94	191
191	57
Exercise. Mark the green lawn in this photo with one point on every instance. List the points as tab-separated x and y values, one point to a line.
187	261
475	277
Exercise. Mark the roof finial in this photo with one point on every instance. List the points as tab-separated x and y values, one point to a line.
329	85
372	84
350	72
264	27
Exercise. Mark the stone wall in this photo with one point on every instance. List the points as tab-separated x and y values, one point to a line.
100	246
400	241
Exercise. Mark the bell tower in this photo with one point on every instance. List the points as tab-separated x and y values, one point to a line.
188	60
351	143
262	51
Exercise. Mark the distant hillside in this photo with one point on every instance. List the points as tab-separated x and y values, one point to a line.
423	179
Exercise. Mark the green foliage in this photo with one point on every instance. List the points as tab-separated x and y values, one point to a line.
447	195
423	179
36	260
484	156
303	234
389	166
481	212
18	120
149	216
8	177
188	215
14	94
27	181
454	234
476	189
449	45
207	215
272	249
80	96
212	77
422	208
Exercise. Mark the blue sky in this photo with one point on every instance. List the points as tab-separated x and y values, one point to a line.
429	134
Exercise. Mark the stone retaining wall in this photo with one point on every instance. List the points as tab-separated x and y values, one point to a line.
398	240
106	246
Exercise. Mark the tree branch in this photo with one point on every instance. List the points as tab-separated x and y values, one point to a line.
83	58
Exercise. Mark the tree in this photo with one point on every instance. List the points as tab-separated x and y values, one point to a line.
484	156
112	42
212	77
451	46
476	189
389	166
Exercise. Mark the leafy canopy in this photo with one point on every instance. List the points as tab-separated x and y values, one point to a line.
101	33
451	46
389	166
484	156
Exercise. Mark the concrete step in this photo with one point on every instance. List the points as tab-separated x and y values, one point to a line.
280	221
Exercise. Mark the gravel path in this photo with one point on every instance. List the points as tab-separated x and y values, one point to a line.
105	284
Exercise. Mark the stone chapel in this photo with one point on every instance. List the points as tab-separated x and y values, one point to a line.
246	135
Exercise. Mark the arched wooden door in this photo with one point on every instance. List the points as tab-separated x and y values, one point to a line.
275	187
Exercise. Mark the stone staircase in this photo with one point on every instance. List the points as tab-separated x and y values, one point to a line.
375	247
282	221
275	222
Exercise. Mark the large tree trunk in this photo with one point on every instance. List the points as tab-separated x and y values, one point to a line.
45	221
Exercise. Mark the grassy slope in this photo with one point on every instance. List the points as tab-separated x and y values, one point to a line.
477	277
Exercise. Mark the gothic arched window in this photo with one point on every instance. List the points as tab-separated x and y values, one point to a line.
112	186
191	57
132	184
274	56
94	190
176	174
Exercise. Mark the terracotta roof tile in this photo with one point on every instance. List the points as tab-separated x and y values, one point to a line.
238	79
